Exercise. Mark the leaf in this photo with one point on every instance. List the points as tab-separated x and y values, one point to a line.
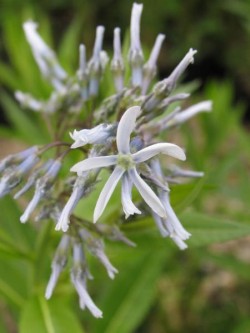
131	294
207	229
8	76
10	293
204	229
25	124
70	42
3	324
13	230
243	326
41	316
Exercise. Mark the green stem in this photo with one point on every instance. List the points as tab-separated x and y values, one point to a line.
46	315
11	294
40	251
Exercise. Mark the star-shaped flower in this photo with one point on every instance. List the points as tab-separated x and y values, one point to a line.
125	168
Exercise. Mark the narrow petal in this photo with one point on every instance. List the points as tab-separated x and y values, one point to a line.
135	26
159	148
111	270
128	206
158	221
125	128
150	67
98	41
94	163
56	270
85	299
192	111
179	242
172	222
107	191
117	64
181	67
31	207
64	219
148	195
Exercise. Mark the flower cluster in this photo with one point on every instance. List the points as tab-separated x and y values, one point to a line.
118	133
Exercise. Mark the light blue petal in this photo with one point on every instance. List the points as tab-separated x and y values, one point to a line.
125	128
107	191
172	222
128	206
159	148
94	163
148	195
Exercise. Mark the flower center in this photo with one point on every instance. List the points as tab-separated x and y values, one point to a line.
125	161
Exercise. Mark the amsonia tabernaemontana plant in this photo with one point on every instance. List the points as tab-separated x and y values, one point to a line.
119	133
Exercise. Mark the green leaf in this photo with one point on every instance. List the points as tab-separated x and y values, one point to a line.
243	326
207	229
130	296
70	42
25	124
10	293
230	263
8	76
41	316
3	322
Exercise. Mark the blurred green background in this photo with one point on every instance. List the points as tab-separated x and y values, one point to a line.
159	289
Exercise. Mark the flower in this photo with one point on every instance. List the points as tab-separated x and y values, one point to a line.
79	275
169	225
95	135
96	248
43	186
117	64
125	168
45	57
136	55
58	264
183	116
149	68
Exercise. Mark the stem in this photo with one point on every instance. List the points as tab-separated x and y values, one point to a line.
52	145
40	251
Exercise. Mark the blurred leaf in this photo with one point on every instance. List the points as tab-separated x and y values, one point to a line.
69	42
9	77
243	326
207	229
10	293
131	294
3	322
231	263
41	316
22	122
22	235
183	195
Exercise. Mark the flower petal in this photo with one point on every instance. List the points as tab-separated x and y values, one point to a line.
93	163
179	242
64	219
107	191
158	221
172	222
181	117
128	206
125	128
148	195
85	299
159	148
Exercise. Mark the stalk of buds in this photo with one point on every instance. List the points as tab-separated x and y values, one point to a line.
118	133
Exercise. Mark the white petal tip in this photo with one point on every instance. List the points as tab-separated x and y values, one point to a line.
75	168
23	219
48	295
